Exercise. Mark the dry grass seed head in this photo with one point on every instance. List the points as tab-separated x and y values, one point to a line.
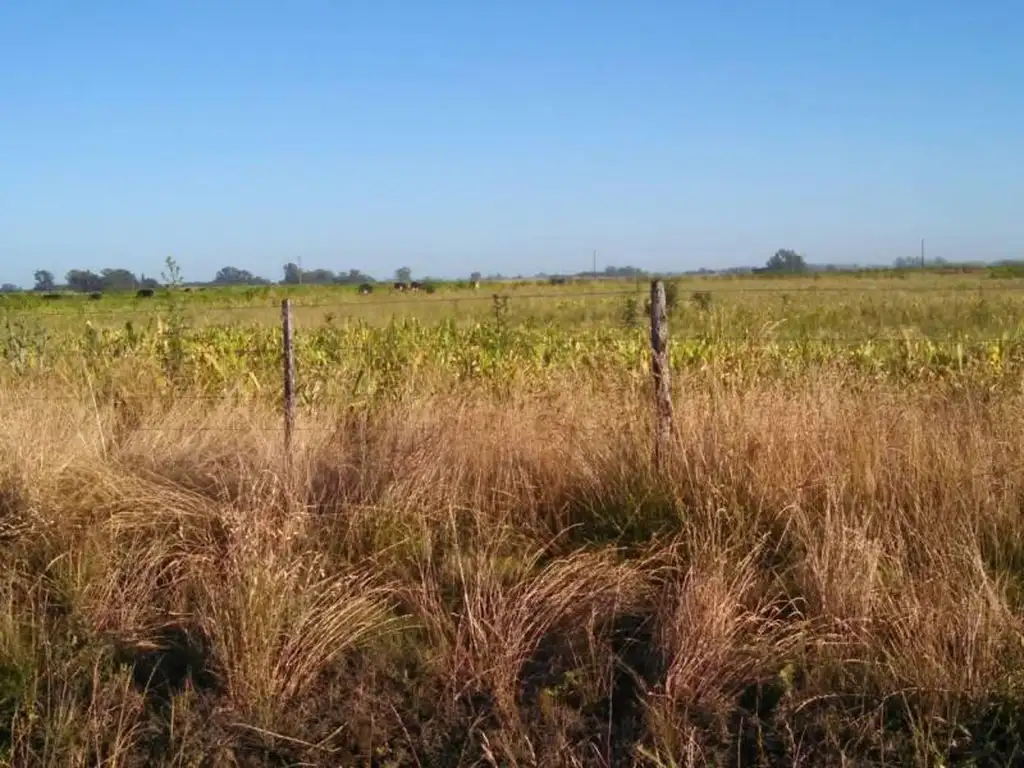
504	612
719	633
279	620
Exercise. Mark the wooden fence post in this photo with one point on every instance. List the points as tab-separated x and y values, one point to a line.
289	381
660	371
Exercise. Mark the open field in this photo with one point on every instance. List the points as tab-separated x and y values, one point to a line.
474	561
850	306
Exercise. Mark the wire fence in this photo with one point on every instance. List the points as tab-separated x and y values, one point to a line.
658	355
772	331
159	304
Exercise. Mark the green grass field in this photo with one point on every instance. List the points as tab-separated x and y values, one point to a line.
850	306
474	559
917	326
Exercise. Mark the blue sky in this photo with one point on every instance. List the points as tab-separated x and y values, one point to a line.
513	137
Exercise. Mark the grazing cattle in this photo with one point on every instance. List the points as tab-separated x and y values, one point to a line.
476	285
95	296
144	293
365	289
400	286
51	296
415	286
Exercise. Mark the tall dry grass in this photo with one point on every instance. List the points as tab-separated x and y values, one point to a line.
823	576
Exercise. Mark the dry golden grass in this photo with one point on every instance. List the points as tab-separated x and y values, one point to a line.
828	575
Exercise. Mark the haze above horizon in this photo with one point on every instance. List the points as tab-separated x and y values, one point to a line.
449	137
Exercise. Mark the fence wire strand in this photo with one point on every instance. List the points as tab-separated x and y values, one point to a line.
236	398
158	304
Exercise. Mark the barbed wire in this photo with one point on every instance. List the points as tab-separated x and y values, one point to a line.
1011	335
157	305
236	397
238	391
351	303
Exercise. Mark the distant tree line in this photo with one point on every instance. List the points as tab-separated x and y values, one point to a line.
782	262
118	279
294	275
87	281
785	261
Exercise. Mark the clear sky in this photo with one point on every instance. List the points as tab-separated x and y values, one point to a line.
453	136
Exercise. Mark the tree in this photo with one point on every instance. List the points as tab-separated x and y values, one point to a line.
292	274
9	288
44	281
403	274
118	280
627	271
318	276
787	261
233	276
172	273
83	280
353	277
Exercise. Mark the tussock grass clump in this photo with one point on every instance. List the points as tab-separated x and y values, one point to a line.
822	573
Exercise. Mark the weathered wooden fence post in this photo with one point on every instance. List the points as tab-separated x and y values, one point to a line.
660	371
289	382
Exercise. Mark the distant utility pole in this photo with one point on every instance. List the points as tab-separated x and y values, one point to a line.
595	265
922	252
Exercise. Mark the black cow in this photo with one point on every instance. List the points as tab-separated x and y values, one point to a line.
144	293
415	286
95	296
400	286
365	289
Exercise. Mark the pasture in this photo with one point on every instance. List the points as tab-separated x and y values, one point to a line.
474	561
